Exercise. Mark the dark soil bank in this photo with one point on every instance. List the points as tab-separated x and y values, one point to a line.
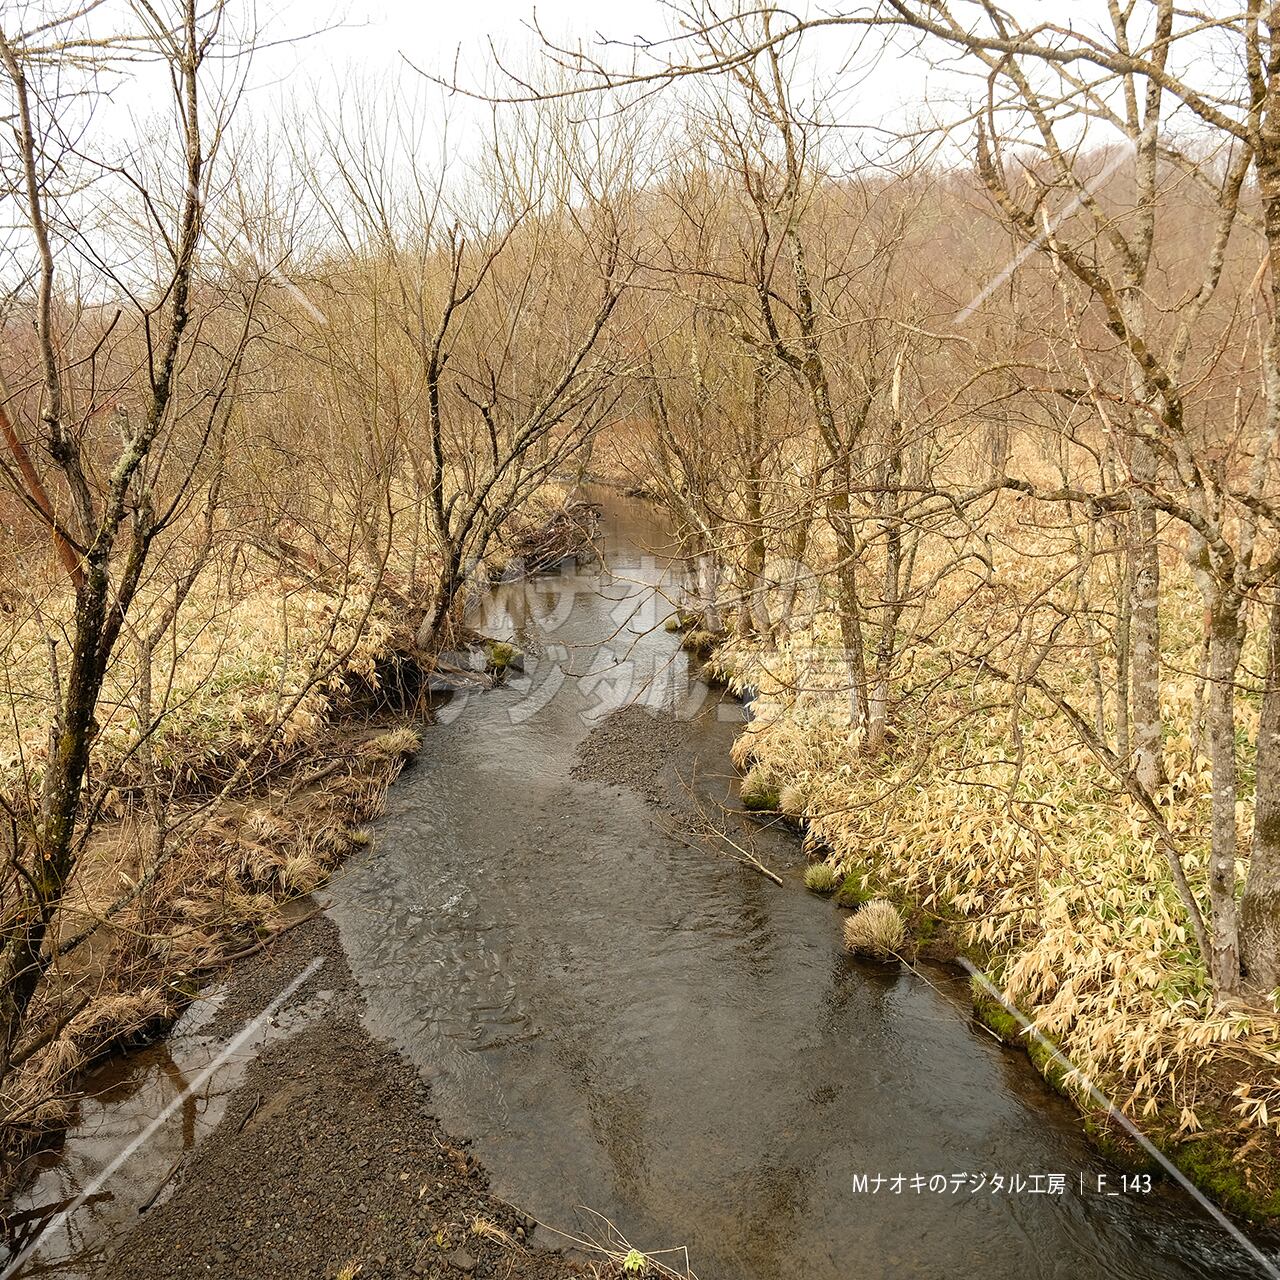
328	1158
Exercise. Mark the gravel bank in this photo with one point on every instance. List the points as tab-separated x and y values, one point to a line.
640	749
329	1161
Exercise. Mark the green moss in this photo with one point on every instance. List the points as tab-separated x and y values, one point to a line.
820	878
1048	1063
991	1013
500	656
1208	1163
854	890
1041	1051
757	792
1119	1148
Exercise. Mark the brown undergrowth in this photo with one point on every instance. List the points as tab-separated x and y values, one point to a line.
229	889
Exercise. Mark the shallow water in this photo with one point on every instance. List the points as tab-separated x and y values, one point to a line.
121	1099
660	1035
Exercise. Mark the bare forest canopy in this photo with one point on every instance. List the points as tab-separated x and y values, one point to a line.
968	435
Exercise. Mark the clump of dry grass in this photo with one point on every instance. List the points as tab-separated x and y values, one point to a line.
488	1230
302	871
820	877
698	642
875	930
793	799
404	741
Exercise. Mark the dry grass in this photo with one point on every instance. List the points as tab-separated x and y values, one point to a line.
35	1095
793	800
404	741
221	893
875	930
240	654
820	877
488	1230
1046	875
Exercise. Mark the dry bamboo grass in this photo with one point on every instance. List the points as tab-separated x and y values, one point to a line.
1052	879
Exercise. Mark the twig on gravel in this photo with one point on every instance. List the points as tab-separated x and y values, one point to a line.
250	1113
267	941
163	1183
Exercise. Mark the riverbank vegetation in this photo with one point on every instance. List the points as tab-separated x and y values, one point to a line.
244	501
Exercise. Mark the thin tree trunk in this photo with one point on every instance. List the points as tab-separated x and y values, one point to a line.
708	590
1144	647
851	637
1260	906
890	605
1224	657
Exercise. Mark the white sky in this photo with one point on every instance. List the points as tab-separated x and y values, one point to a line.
370	41
310	51
372	37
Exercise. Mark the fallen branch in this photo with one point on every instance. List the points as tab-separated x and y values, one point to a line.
740	855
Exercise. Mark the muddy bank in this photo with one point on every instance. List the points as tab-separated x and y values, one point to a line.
328	1157
128	968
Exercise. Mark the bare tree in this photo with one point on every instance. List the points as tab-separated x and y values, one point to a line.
105	506
497	316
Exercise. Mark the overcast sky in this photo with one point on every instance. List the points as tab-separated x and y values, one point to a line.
372	42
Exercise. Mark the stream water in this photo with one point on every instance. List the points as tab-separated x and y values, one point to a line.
637	1028
636	1031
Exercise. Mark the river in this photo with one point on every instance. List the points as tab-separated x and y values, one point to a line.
636	1031
668	1039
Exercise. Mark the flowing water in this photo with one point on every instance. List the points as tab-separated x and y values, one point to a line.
666	1038
631	1027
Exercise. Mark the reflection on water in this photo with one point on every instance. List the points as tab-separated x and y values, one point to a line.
624	1023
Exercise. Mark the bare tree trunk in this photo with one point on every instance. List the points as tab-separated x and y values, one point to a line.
890	604
851	637
1144	647
1123	641
753	608
1224	657
1260	906
707	587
